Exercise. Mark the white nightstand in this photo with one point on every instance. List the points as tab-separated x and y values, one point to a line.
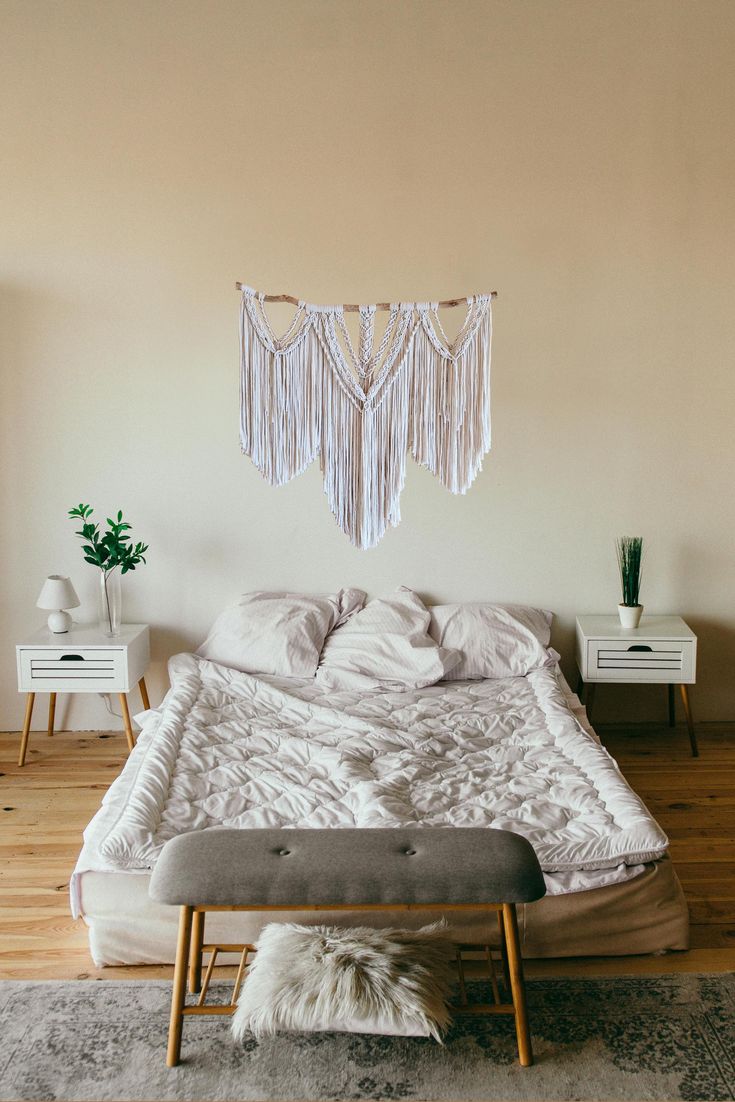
82	660
662	651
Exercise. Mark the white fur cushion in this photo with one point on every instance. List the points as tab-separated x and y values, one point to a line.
495	640
385	646
347	980
278	633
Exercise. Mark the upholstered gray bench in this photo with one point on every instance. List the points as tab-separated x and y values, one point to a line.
391	869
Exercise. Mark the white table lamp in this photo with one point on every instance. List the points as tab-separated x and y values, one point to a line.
58	594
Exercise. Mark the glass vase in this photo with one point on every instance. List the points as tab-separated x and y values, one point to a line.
110	602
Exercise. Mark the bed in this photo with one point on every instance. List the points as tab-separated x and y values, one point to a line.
230	749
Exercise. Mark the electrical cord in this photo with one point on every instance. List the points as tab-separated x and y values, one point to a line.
105	696
108	705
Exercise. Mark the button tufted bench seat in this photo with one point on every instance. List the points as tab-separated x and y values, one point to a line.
391	869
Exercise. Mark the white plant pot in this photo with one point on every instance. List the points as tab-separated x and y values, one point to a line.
630	615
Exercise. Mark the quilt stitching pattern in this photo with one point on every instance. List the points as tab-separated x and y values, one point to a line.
232	750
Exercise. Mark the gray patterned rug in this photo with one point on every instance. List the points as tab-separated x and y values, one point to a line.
657	1037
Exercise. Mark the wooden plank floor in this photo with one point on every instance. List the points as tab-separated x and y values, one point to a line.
45	807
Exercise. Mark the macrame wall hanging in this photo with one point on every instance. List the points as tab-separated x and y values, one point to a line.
309	393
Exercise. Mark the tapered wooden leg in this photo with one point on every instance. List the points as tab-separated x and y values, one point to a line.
144	693
503	953
672	707
589	699
195	958
690	721
178	995
517	984
26	728
51	713
126	721
580	687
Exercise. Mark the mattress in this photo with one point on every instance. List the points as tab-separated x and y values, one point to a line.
645	914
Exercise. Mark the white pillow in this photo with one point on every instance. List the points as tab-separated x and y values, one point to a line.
278	633
347	980
495	640
385	646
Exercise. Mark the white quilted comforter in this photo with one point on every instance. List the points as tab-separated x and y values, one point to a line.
228	749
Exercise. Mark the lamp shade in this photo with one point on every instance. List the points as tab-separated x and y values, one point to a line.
57	593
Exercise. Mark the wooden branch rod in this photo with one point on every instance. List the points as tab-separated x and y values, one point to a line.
351	307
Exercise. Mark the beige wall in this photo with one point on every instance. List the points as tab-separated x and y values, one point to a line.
577	156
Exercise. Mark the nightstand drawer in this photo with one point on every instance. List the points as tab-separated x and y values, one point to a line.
657	660
72	669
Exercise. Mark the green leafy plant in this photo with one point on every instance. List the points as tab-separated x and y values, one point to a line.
630	557
112	548
109	549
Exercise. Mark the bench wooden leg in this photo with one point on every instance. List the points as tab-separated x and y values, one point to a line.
144	693
26	728
178	995
672	707
517	984
503	953
126	721
51	713
195	957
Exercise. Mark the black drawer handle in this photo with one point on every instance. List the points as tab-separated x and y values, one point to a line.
641	646
71	658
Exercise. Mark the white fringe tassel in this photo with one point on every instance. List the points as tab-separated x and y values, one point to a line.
302	396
